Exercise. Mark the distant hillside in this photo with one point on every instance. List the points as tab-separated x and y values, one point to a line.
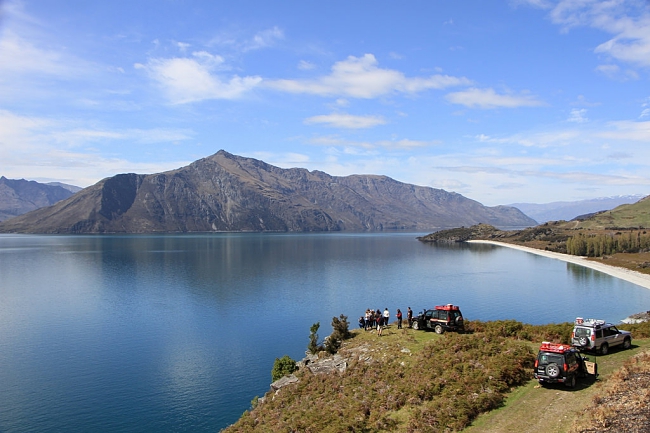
225	192
73	189
636	215
567	210
18	197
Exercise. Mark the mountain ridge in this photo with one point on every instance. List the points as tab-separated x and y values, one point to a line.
226	192
19	196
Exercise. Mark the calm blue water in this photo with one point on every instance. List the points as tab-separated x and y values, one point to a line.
179	332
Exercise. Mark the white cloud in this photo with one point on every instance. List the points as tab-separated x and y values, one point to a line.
627	21
488	98
578	116
628	130
64	150
186	80
360	77
348	121
29	58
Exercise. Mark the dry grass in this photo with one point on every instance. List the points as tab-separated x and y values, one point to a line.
623	403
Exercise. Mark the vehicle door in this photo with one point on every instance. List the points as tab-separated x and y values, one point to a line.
443	317
429	318
571	363
611	336
599	338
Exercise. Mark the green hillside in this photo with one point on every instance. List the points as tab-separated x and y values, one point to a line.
636	215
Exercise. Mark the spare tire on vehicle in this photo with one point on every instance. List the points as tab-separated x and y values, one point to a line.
553	370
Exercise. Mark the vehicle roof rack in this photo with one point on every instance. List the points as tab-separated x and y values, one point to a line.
447	307
547	346
589	322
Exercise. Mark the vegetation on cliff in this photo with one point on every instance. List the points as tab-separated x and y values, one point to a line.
409	380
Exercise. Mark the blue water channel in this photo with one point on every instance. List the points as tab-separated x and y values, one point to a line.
180	332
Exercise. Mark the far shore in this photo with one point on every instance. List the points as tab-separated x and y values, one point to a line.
633	277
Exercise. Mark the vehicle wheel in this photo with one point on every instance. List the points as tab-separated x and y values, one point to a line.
552	370
438	329
416	325
604	349
572	382
583	341
627	343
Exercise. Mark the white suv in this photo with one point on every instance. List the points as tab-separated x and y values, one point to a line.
598	335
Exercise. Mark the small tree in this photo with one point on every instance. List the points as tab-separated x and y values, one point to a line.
313	346
283	367
340	332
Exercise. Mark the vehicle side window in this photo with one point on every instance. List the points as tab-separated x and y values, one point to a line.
599	333
442	315
610	331
428	314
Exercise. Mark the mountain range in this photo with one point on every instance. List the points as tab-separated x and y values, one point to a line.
568	210
21	196
226	192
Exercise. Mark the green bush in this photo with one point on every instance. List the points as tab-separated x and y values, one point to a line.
340	332
313	346
283	367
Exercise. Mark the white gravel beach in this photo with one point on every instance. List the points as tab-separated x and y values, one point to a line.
634	277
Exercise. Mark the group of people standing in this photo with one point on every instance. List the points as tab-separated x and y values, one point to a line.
376	319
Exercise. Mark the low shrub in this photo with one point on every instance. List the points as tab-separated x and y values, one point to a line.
283	367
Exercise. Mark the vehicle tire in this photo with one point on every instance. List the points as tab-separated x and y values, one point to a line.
583	341
552	370
439	329
627	343
604	349
416	324
572	381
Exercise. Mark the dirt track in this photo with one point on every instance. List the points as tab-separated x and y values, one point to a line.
534	408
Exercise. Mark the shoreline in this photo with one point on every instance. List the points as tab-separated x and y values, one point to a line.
628	275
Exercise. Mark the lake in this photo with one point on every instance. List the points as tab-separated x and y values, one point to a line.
180	332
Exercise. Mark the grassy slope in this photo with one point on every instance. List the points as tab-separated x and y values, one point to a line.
553	409
627	215
416	381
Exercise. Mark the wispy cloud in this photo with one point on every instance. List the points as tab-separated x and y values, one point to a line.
628	130
627	21
347	121
361	77
63	149
573	177
397	144
489	99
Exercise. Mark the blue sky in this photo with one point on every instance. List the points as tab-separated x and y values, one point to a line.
501	101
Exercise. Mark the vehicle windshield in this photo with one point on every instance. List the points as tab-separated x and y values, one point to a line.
547	358
583	332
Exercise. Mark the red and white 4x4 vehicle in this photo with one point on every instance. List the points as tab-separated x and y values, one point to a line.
440	319
561	363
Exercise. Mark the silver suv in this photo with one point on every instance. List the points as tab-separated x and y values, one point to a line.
598	335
